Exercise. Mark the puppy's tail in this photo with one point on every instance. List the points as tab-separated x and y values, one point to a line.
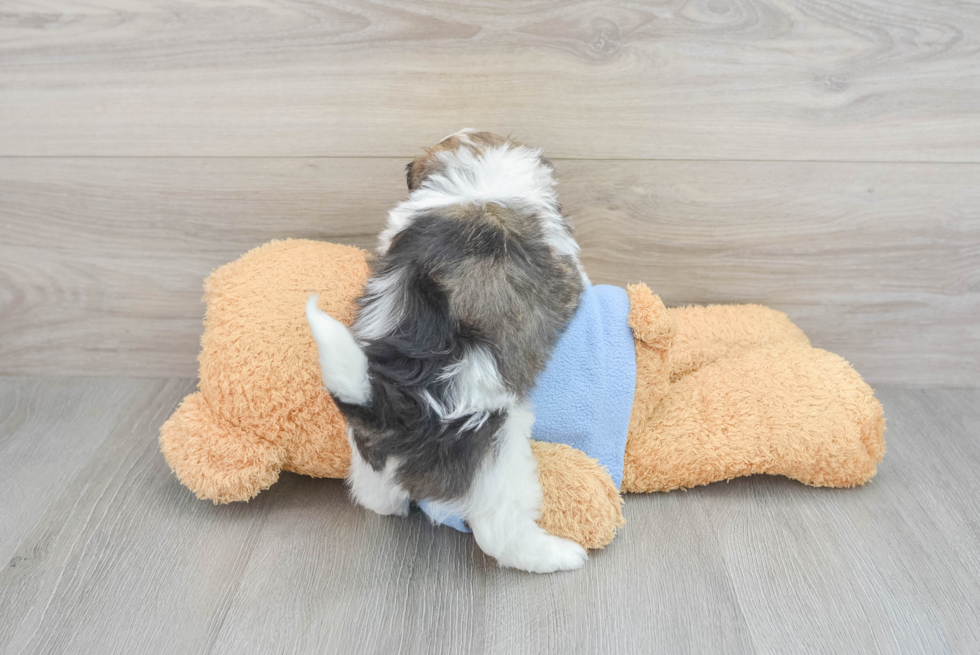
342	362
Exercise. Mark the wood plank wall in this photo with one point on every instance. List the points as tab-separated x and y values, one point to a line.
822	157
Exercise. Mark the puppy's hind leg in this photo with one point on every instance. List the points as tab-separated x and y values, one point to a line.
376	490
502	508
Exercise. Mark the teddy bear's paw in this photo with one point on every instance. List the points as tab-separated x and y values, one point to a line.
217	461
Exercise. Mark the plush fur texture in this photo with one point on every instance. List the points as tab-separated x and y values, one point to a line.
722	391
733	390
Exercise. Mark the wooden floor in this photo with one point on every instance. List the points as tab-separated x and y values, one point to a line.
105	552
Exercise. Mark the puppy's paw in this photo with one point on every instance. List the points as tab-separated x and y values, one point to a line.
545	554
387	505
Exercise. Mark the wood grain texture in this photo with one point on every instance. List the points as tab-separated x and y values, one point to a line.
902	542
877	263
855	80
102	260
105	552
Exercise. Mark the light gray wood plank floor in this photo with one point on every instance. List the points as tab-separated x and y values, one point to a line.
104	552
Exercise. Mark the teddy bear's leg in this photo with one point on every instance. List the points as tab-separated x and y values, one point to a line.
783	410
705	334
217	461
702	334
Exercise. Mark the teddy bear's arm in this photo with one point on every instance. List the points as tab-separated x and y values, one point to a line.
580	501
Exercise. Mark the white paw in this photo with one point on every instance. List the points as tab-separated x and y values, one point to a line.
544	554
390	506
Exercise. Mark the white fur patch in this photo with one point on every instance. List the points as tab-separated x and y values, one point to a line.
505	175
503	506
384	307
376	490
343	364
476	389
502	175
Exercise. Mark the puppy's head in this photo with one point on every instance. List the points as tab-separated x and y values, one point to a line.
426	164
481	176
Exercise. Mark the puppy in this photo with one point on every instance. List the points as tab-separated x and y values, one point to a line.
476	276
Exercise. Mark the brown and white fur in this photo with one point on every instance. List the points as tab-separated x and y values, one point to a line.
476	276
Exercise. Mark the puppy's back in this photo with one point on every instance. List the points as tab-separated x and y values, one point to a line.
486	275
459	318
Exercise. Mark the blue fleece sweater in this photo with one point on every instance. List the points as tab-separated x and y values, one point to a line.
584	397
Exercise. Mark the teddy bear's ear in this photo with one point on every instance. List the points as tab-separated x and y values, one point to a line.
653	338
649	319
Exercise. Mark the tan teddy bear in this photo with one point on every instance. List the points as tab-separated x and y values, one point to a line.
721	392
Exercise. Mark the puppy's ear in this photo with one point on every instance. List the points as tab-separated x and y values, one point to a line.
410	175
